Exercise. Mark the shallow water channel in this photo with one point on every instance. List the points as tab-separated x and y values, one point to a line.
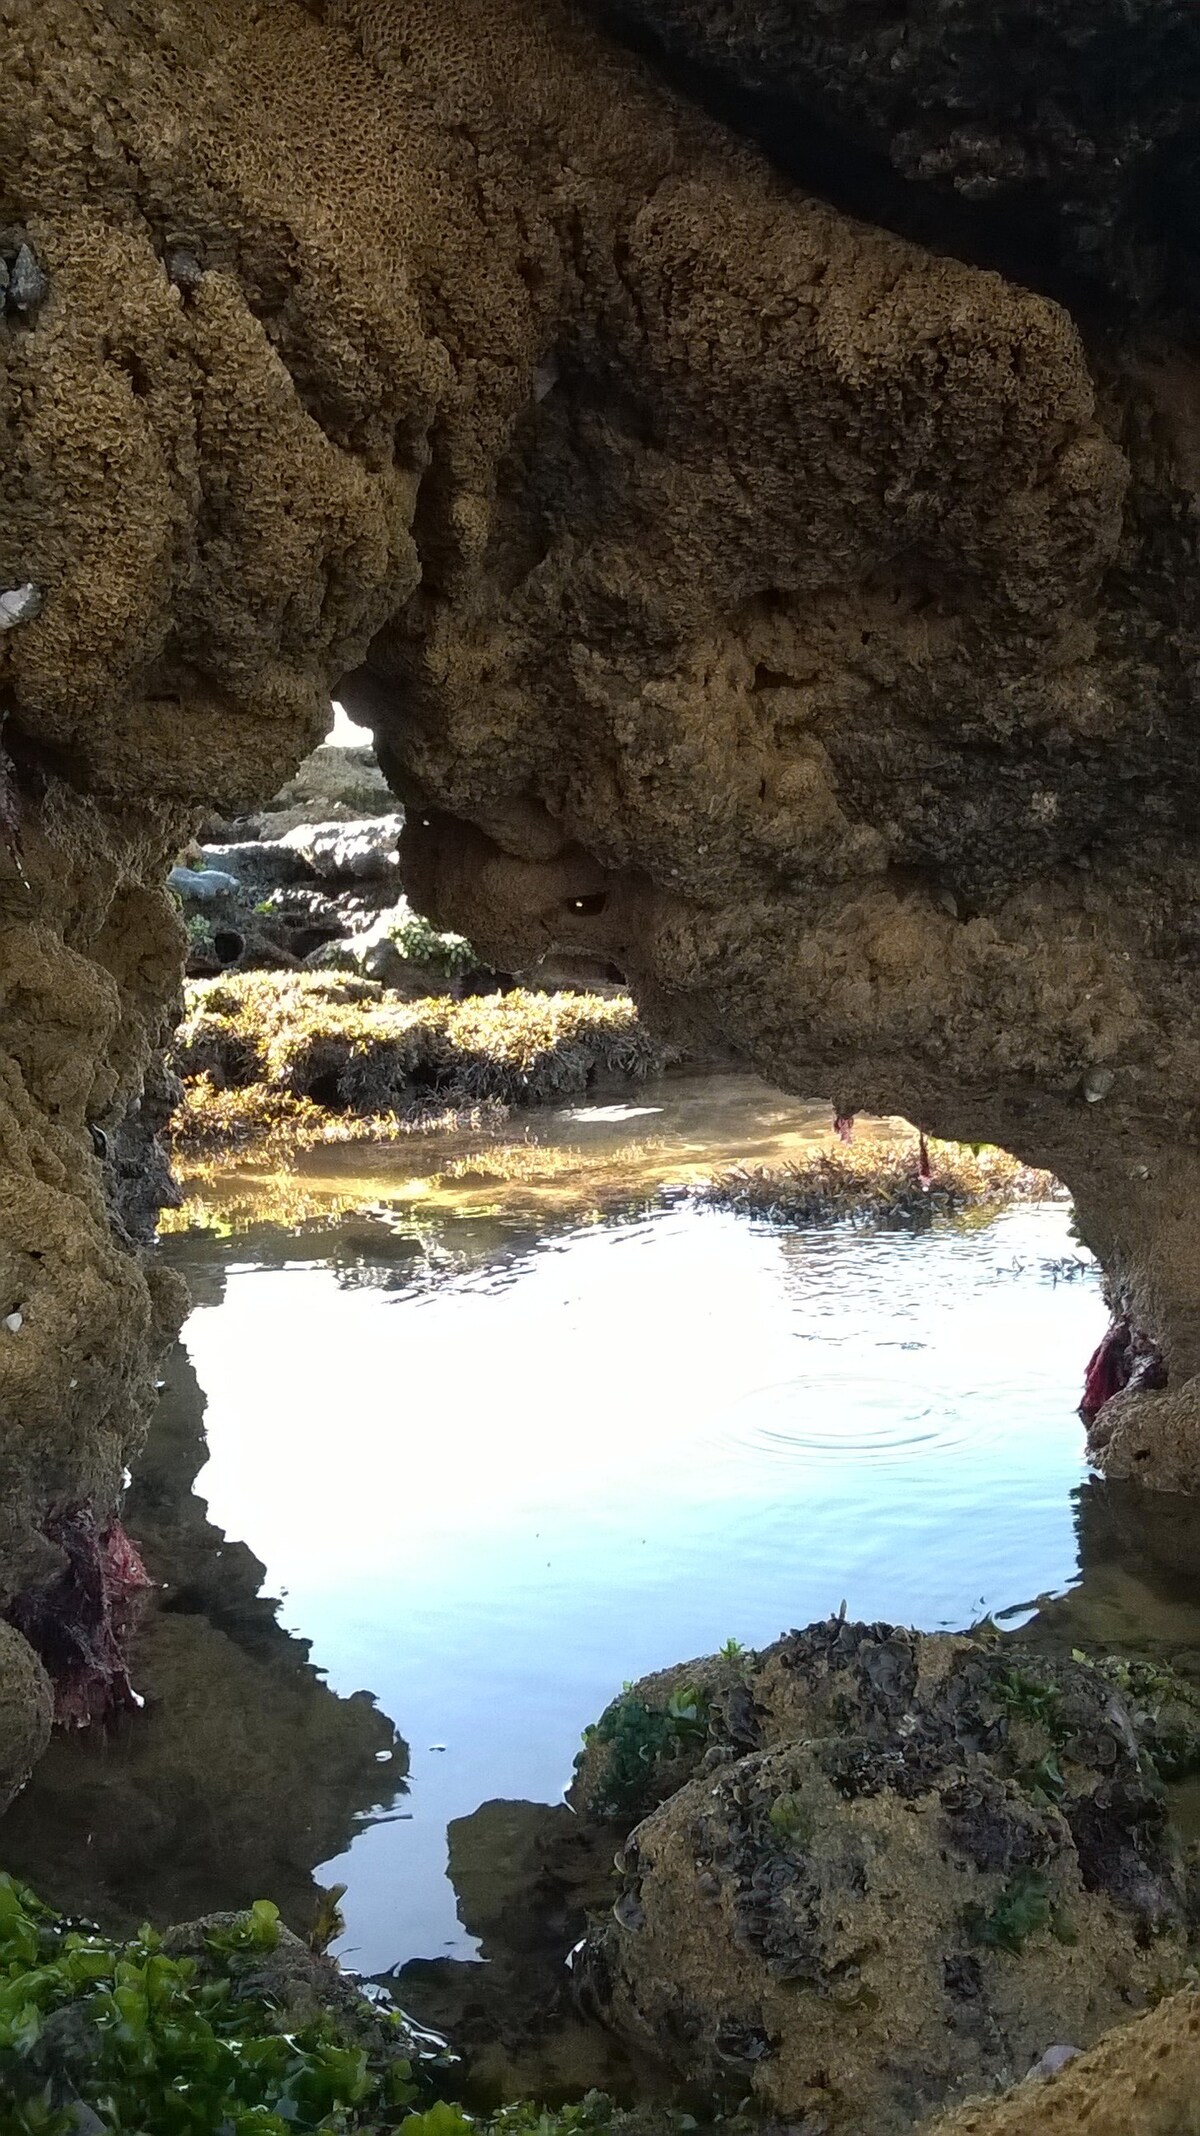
503	1422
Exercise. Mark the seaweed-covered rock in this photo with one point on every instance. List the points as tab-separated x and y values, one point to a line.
650	1740
946	1855
299	1984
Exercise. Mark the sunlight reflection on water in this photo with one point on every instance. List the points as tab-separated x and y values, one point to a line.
493	1497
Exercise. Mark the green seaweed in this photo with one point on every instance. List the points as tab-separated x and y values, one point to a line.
1025	1699
124	2039
639	1738
790	1820
156	2043
1044	1781
422	943
1023	1908
1165	1711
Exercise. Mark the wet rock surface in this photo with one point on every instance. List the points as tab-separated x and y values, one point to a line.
943	1857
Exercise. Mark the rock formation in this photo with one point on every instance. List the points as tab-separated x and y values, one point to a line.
1140	2081
886	1870
314	879
778	582
797	613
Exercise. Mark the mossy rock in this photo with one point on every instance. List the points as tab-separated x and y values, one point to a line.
26	1712
651	1739
946	1854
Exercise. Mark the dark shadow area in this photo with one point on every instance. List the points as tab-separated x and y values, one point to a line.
1106	242
526	1877
242	1770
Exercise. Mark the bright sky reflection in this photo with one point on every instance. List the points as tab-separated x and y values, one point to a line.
492	1501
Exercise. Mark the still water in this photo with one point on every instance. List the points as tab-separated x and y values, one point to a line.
507	1424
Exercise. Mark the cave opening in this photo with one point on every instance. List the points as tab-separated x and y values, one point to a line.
755	1319
662	1124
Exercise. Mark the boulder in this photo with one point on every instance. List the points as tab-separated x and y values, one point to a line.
365	851
941	1857
204	886
1142	2080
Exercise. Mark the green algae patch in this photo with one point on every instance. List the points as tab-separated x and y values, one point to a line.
639	1740
274	1059
883	1182
109	2035
230	2026
1023	1908
1164	1708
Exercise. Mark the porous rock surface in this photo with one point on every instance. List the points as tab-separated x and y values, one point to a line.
26	1707
941	1857
794	616
1142	2080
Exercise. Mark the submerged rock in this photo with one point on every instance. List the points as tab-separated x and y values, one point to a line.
943	1855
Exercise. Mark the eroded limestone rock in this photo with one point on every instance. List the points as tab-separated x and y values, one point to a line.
26	1709
798	620
1142	2080
942	1857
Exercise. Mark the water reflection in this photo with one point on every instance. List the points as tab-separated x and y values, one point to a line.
509	1424
1139	1576
525	1875
243	1770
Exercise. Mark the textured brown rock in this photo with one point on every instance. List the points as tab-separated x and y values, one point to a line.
799	619
939	1858
1142	2080
25	1712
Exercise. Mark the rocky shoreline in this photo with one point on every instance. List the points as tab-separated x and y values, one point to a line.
868	1880
312	882
864	1870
